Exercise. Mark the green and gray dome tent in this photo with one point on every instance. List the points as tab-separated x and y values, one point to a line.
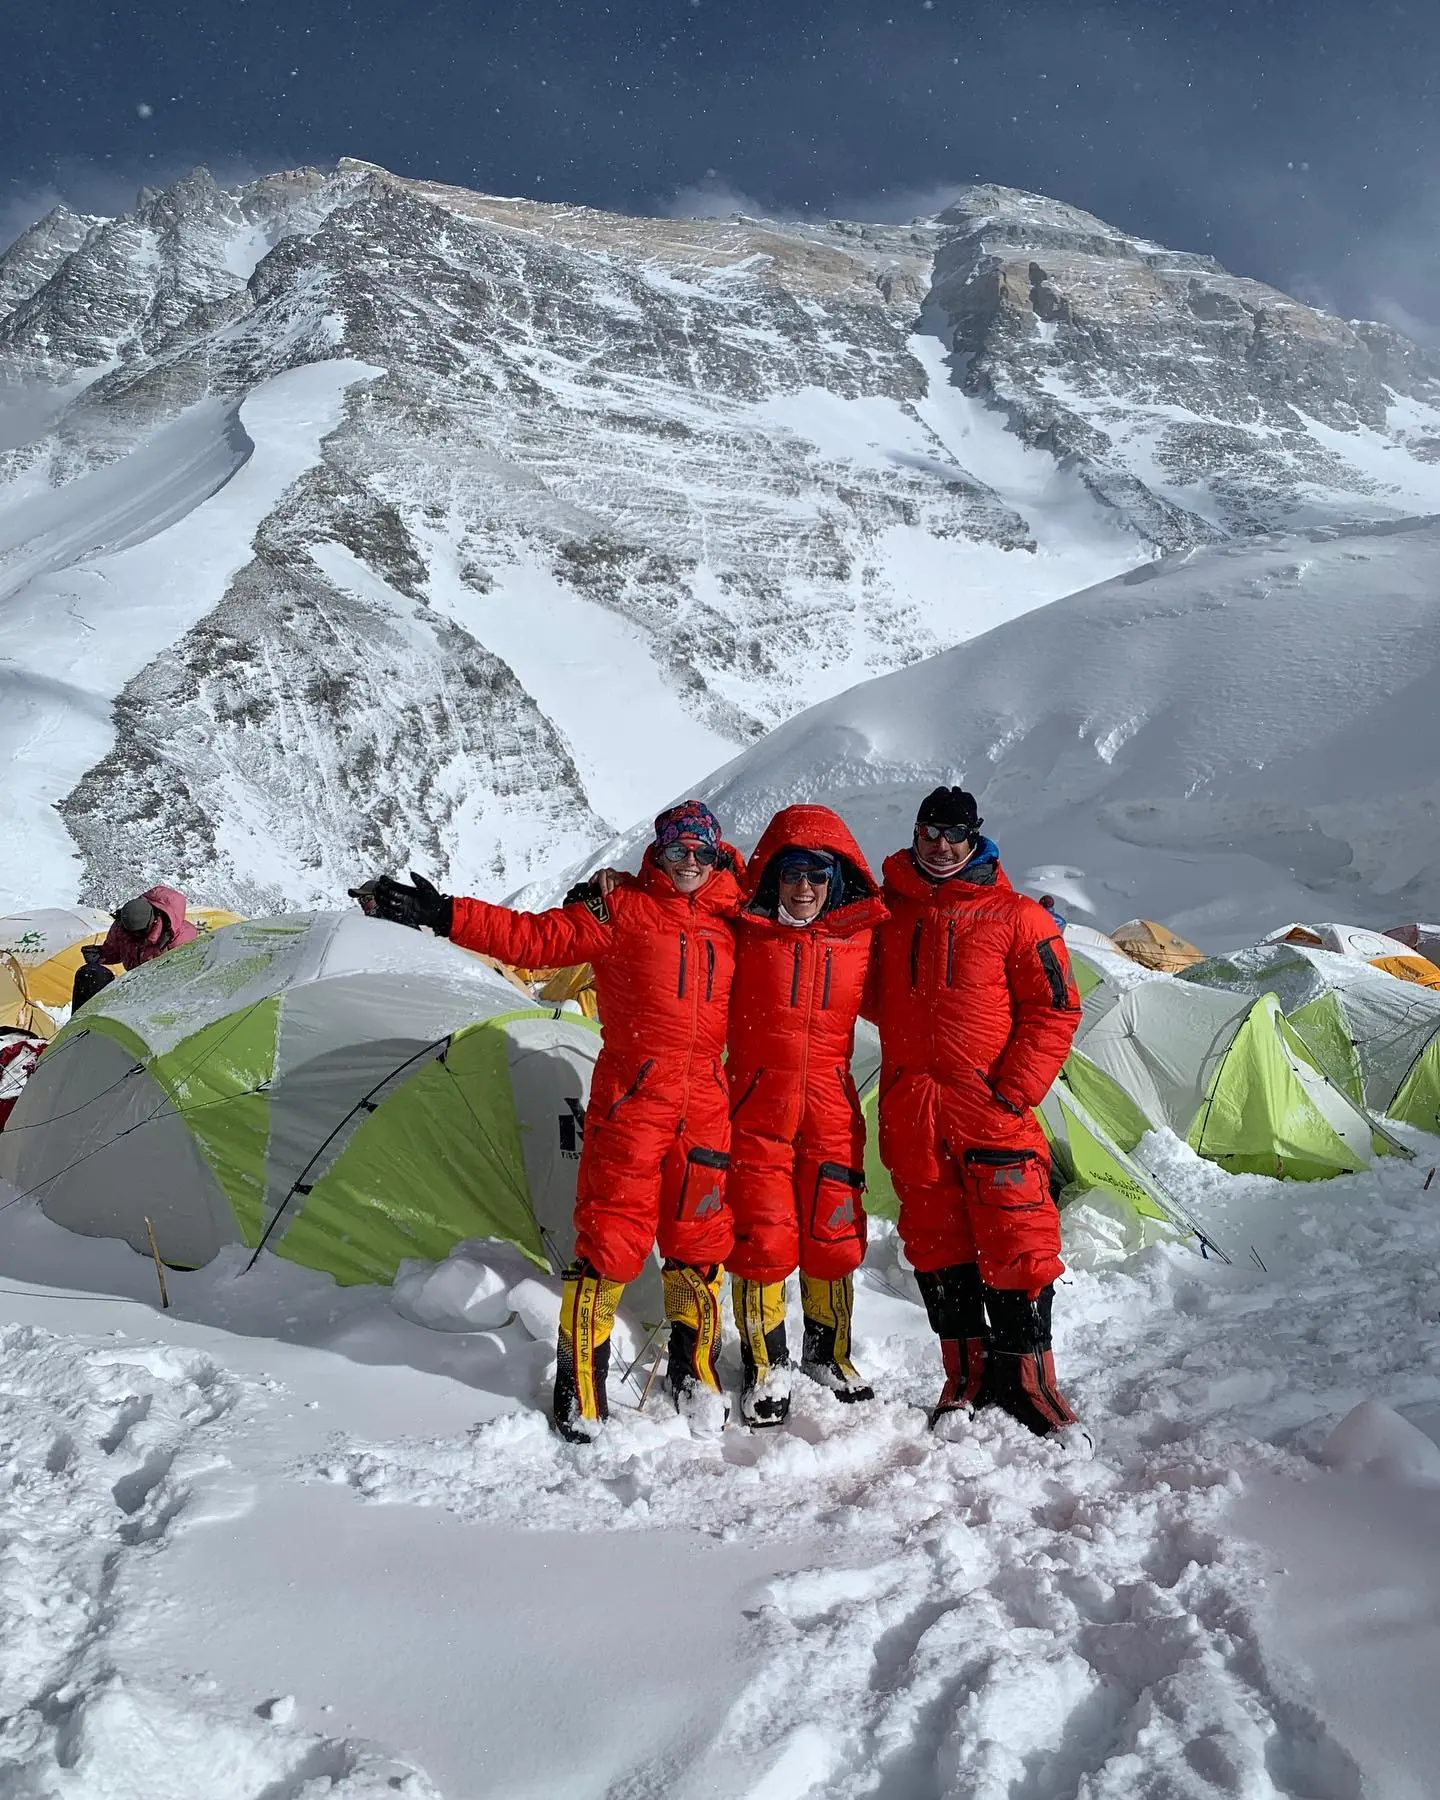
1376	1037
1086	1154
1224	1071
345	1091
880	1197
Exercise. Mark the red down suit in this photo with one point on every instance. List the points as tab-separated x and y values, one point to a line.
797	1154
972	992
657	1129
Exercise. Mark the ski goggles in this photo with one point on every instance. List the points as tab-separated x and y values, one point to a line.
817	870
673	855
952	834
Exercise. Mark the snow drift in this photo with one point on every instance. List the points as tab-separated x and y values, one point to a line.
1223	740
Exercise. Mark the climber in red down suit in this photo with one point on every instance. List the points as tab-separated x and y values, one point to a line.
797	1151
657	1128
970	986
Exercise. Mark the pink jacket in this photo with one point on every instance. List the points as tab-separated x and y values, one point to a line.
169	930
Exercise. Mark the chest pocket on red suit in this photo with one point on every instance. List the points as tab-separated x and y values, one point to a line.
702	1189
836	1212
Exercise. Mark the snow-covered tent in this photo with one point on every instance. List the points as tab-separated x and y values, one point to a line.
1225	1071
345	1091
1374	1036
1424	940
47	942
1377	948
1089	937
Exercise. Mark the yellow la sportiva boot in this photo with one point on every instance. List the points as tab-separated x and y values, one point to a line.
692	1305
582	1358
825	1356
764	1354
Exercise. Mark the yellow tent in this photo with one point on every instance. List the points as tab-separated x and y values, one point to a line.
1418	969
571	984
1156	946
16	1007
49	943
212	918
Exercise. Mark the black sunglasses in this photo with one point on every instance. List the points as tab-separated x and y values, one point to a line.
952	834
816	873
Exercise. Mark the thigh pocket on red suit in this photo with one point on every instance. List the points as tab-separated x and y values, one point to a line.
835	1212
1009	1195
1011	1179
702	1192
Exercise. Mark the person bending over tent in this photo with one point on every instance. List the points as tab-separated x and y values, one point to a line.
657	1129
146	927
970	986
797	1155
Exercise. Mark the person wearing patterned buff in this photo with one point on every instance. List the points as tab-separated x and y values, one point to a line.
657	1127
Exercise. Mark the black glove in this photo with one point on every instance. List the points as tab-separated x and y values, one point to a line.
588	895
423	907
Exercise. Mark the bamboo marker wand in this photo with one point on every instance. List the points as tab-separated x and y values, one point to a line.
159	1266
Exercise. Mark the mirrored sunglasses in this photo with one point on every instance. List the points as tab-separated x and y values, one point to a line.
675	854
804	869
952	834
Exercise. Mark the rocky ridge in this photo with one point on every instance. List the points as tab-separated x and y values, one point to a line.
734	443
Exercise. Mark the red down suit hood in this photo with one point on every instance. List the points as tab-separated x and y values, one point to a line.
798	1135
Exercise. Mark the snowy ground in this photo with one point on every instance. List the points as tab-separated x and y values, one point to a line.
283	1541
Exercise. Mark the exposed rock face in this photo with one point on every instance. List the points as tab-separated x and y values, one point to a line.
1122	354
716	458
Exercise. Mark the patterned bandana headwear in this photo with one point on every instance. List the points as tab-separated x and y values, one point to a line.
692	822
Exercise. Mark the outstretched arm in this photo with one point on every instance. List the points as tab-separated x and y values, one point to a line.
544	940
1047	1012
563	936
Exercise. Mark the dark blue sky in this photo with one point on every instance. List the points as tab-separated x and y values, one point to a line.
1298	142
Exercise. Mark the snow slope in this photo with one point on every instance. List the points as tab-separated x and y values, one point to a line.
1225	740
282	1542
100	575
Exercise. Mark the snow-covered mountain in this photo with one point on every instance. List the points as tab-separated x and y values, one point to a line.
346	519
1226	739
